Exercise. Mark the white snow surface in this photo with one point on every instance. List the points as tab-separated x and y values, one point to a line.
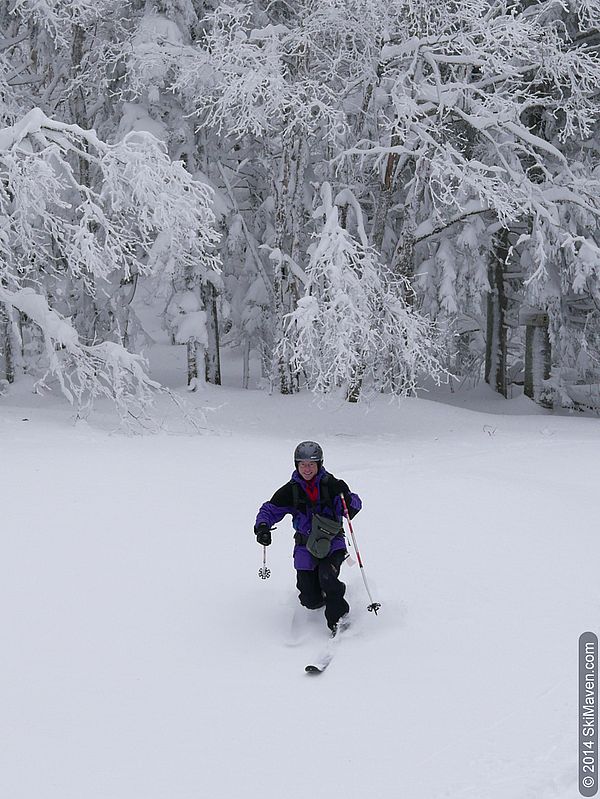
143	658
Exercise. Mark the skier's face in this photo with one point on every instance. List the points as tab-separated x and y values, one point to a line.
307	469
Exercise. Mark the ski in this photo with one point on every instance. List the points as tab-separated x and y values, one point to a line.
320	663
312	669
318	668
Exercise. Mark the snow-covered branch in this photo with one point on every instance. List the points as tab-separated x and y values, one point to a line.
139	213
353	328
85	373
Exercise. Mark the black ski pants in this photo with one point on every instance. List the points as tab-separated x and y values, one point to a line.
321	586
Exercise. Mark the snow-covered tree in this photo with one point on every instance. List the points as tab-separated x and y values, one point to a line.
352	328
433	115
249	81
159	39
465	134
143	214
481	107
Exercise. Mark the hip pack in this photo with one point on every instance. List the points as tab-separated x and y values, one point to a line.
322	533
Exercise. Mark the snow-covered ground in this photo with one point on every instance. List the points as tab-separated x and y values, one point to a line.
143	658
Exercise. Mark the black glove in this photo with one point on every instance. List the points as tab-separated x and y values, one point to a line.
341	487
263	534
351	511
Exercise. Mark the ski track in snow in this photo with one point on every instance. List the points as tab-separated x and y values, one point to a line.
143	658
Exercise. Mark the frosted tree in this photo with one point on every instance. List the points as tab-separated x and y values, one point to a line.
64	57
250	81
70	49
159	37
352	329
478	107
426	111
145	214
85	55
465	135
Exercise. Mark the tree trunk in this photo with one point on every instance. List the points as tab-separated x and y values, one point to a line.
246	364
195	357
6	344
286	191
212	355
403	261
77	103
288	380
192	362
32	344
385	197
355	386
496	340
538	358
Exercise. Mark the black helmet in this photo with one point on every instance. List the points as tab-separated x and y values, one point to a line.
308	451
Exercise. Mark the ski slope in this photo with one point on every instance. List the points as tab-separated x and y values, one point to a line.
143	658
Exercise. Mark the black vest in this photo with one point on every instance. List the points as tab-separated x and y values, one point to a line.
301	502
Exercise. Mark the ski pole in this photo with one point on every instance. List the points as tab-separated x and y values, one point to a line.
264	573
374	606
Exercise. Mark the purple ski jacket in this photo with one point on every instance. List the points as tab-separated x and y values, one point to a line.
282	503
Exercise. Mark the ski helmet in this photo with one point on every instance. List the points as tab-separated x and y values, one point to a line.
308	451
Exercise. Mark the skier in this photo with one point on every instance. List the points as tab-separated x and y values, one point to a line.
312	497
